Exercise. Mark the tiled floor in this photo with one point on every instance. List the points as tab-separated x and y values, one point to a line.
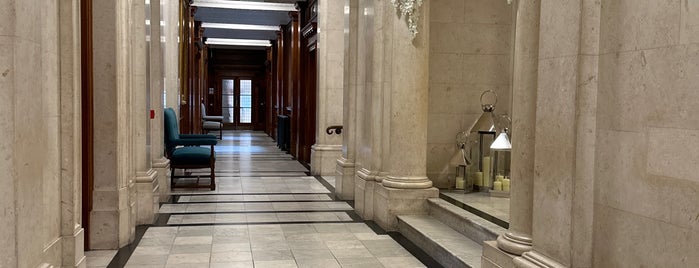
99	258
265	212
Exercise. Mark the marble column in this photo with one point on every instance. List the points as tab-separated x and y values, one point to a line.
367	105
517	239
561	193
345	169
404	86
72	232
328	148
143	79
157	87
171	14
112	221
40	145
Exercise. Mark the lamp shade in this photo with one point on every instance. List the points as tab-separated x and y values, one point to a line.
502	143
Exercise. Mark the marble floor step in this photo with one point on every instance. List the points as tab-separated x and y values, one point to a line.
444	244
252	198
255	207
258	218
468	224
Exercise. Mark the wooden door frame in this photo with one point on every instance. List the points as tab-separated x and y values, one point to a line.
87	112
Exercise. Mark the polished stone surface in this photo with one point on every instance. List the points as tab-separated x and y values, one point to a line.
260	221
497	207
99	258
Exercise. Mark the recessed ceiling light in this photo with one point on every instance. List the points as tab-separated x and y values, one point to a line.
240	26
238	42
244	5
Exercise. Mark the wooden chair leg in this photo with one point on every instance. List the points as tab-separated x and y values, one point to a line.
172	178
213	167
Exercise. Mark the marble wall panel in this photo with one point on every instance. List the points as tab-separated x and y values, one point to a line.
486	39
555	148
470	47
559	28
632	24
7	151
445	68
7	27
486	69
668	149
623	239
645	187
447	11
30	157
689	27
621	101
487	12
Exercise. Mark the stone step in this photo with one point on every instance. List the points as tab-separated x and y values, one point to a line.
444	244
464	222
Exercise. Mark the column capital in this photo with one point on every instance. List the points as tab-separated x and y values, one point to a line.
514	243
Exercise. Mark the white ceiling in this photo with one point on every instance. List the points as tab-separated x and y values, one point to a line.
242	16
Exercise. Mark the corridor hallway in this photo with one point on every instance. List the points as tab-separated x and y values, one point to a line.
266	212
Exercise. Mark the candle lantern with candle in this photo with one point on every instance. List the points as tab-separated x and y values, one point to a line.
500	151
483	131
462	179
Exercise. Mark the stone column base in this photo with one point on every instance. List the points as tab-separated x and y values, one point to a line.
323	158
532	259
148	197
344	179
364	185
391	202
514	243
162	167
495	257
74	249
110	219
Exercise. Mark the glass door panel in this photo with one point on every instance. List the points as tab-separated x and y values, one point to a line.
228	100
245	101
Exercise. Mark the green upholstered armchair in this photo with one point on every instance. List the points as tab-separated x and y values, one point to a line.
185	151
211	122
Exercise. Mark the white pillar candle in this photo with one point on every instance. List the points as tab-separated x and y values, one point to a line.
459	182
497	186
506	185
486	171
478	178
499	177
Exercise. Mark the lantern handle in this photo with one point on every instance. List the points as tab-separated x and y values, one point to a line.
486	106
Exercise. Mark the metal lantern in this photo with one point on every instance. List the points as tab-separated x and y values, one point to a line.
461	178
500	151
483	130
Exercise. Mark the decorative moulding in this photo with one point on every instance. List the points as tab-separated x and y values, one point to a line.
410	10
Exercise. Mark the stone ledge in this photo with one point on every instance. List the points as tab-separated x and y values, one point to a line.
444	244
466	223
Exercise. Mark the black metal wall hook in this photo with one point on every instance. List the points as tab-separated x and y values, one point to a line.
336	129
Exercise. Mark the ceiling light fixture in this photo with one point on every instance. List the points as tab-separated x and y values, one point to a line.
244	5
232	26
238	42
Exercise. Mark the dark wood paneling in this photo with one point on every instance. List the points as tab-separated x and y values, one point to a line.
87	123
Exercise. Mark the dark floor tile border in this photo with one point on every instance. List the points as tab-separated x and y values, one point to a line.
258	212
416	251
190	194
476	211
325	183
254	223
243	202
420	254
123	254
